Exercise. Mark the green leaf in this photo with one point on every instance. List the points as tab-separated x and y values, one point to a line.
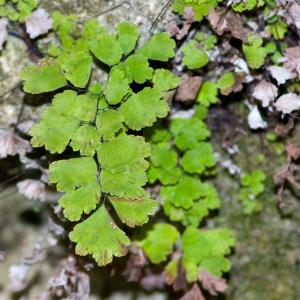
64	26
109	123
117	87
95	88
209	199
174	213
198	159
157	133
201	112
25	8
248	5
128	35
153	174
184	193
165	80
170	175
54	132
107	49
82	200
124	184
200	7
188	132
254	180
72	173
167	175
86	140
57	125
216	265
123	165
77	68
134	212
249	201
193	56
159	242
60	121
138	67
99	236
159	47
163	156
92	28
44	77
252	187
164	164
208	94
210	42
17	10
277	28
226	80
271	48
123	152
254	52
142	109
123	68
53	50
85	107
206	249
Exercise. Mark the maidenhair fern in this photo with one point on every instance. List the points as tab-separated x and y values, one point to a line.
185	198
200	7
254	52
208	94
100	124
181	159
103	184
252	187
193	56
240	6
17	10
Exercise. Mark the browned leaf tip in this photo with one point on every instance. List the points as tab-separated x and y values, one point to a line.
237	87
226	21
188	18
189	89
172	28
135	264
193	294
176	276
213	284
293	151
